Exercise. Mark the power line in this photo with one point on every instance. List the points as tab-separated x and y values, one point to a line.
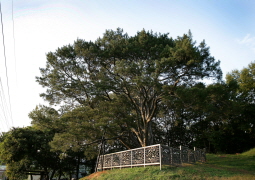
2	129
3	105
14	44
2	120
6	73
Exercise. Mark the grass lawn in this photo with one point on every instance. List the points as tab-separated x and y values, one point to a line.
217	167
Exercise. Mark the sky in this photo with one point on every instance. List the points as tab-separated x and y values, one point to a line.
32	28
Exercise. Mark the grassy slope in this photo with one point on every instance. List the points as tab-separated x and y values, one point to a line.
231	167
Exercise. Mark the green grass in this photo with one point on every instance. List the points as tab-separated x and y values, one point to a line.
249	153
217	167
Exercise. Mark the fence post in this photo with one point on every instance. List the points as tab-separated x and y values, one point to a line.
171	155
120	160
200	155
131	159
111	161
101	158
204	154
181	155
143	156
160	157
195	155
188	156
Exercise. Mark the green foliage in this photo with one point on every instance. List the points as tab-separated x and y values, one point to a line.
25	149
45	118
66	144
211	116
77	128
16	170
244	121
245	81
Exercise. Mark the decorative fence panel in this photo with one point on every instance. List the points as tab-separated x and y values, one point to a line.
151	155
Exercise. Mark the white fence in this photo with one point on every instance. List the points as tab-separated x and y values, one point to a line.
151	155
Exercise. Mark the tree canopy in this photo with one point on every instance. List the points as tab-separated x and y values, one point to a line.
139	71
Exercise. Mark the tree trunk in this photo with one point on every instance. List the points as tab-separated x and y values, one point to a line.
150	134
144	134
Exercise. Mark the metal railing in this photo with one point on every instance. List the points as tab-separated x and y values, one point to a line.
151	155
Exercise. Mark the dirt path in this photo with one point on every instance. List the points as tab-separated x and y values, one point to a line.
94	175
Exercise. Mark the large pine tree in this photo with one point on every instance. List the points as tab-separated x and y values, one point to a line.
138	71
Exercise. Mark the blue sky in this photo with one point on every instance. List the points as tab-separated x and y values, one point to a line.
40	26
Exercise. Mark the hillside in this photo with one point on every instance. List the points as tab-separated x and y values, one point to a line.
217	167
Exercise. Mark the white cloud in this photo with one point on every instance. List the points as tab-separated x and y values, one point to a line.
248	41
